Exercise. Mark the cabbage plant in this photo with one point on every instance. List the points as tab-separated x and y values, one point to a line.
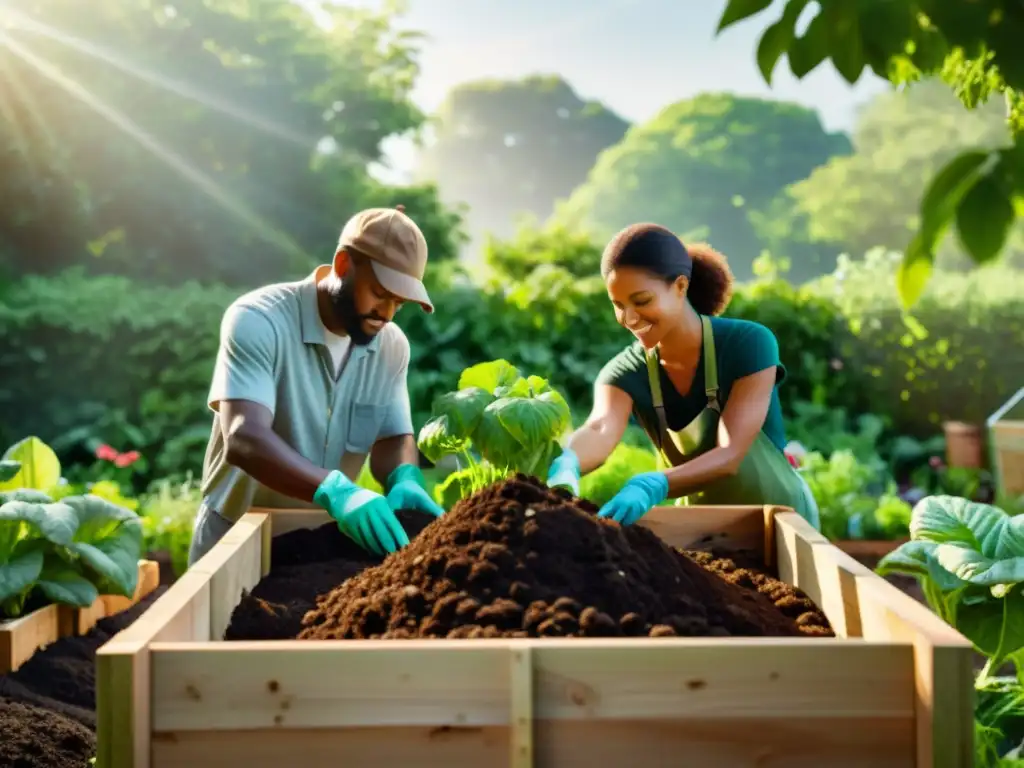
513	422
969	560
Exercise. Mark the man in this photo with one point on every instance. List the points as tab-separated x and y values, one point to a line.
309	379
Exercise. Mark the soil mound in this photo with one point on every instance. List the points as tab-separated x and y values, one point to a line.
520	560
62	677
306	564
34	737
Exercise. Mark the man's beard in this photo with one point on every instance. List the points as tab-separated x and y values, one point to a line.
344	305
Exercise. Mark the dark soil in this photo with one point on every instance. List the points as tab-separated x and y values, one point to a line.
34	737
307	563
47	706
520	560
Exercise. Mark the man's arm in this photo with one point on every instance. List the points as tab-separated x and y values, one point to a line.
244	392
254	447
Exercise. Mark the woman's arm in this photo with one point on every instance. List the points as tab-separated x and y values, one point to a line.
741	420
595	440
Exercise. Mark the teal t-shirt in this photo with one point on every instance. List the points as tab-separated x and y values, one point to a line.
742	348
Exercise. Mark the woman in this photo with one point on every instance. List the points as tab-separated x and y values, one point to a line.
704	388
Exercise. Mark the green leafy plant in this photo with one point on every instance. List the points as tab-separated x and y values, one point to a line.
37	466
969	560
71	550
512	422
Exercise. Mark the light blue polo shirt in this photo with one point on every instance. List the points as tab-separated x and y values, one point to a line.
273	351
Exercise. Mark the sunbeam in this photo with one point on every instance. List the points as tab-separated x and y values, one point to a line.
209	187
30	25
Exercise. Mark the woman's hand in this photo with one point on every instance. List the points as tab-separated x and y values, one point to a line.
565	472
636	498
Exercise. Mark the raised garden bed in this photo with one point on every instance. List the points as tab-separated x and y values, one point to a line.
20	638
47	707
172	692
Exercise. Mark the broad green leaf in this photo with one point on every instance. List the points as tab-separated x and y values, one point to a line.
885	27
19	568
984	217
842	24
62	582
738	10
538	385
945	191
436	439
777	39
983	623
30	496
489	375
40	468
463	410
495	442
56	522
977	543
8	470
808	51
914	271
109	542
910	558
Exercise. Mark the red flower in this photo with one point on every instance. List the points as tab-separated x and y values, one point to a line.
127	459
792	461
105	453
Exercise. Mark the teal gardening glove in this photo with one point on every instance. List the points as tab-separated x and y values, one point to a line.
565	472
636	498
407	489
362	515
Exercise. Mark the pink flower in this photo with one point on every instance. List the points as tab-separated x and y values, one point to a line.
127	459
105	453
793	461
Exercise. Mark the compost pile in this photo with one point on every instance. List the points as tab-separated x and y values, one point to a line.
48	705
521	560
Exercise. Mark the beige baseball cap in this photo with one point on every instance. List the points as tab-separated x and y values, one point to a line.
396	248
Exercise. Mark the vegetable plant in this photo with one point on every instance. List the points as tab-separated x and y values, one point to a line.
969	560
63	547
511	422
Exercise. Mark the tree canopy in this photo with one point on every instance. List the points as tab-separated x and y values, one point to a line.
971	46
205	139
701	167
514	147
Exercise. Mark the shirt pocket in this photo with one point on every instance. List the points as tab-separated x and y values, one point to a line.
363	426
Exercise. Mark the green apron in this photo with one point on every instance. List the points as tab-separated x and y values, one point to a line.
764	477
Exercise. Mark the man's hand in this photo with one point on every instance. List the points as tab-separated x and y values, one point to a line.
407	489
362	515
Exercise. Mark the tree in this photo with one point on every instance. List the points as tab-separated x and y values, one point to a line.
515	147
179	141
974	47
902	138
701	167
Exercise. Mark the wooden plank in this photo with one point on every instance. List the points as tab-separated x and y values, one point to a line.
314	684
235	566
807	560
943	671
1008	449
123	692
707	743
730	527
149	580
20	638
521	716
381	747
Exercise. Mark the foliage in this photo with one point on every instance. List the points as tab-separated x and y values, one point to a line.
902	138
972	47
515	147
513	422
203	131
969	559
168	514
700	167
607	480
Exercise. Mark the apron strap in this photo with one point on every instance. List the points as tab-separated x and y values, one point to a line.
654	380
710	365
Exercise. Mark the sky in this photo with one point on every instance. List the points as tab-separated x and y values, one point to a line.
635	56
